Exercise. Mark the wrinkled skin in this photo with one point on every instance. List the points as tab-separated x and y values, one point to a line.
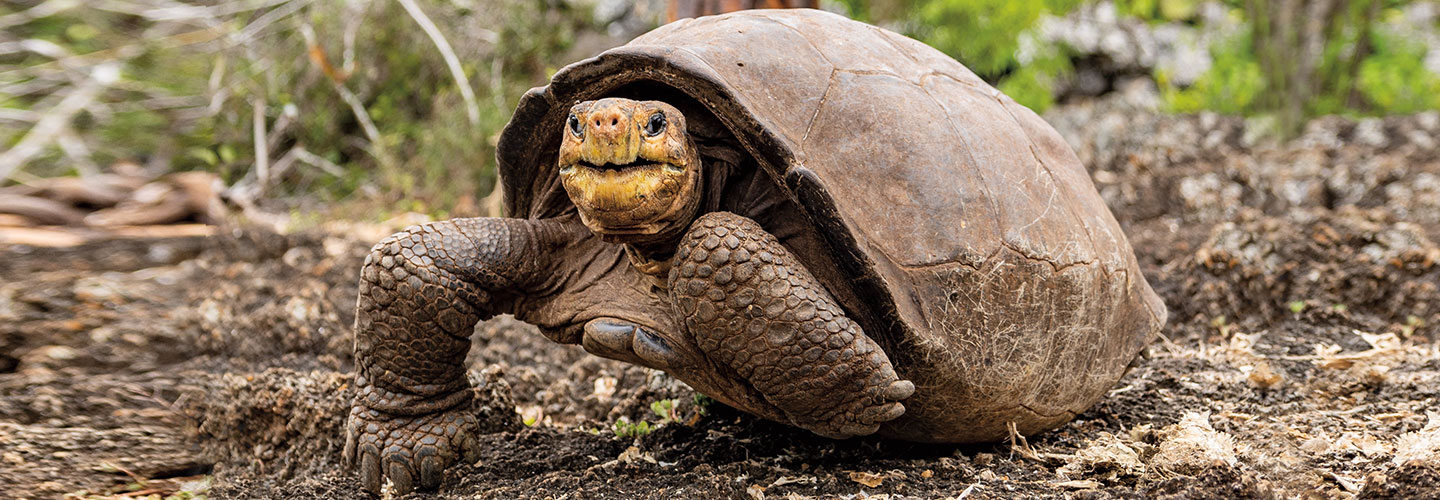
637	275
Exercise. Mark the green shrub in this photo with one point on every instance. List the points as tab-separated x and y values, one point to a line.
1364	65
1231	86
1159	10
991	38
1395	80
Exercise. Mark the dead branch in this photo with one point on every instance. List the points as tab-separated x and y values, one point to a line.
288	113
319	162
40	210
18	115
472	109
49	126
1018	444
317	56
252	30
75	149
262	147
45	9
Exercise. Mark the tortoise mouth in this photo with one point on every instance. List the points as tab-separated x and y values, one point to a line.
641	189
639	163
628	198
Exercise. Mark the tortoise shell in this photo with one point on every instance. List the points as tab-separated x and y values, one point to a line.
980	255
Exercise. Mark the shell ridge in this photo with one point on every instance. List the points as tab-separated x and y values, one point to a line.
875	72
941	74
1054	181
829	85
969	153
510	198
902	50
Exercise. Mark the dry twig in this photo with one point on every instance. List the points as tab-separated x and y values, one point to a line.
451	60
317	55
58	118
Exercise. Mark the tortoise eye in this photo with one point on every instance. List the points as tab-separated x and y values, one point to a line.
574	124
655	125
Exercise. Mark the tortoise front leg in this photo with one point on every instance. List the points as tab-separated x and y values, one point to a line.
421	293
753	306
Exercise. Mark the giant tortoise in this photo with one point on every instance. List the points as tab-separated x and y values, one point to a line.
811	219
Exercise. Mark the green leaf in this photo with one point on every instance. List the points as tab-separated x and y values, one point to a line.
205	155
227	153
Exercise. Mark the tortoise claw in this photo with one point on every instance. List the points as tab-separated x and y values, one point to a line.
370	470
399	474
899	389
625	341
410	451
432	470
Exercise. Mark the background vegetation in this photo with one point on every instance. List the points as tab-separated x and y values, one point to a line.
397	103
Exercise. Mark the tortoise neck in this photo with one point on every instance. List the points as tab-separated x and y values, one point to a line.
653	261
652	256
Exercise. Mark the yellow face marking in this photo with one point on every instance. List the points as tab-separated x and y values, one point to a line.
621	190
627	165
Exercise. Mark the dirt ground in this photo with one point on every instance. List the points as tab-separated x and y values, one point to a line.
1300	360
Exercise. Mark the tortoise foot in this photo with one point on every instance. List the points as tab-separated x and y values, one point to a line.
754	307
412	451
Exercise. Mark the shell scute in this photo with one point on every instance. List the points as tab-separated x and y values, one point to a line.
761	77
920	176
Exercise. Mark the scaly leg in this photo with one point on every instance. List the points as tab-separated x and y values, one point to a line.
753	306
421	293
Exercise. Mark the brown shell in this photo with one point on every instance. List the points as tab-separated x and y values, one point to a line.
1010	290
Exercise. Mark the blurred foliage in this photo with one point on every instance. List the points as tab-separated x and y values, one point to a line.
1356	58
1394	80
52	53
986	34
1231	86
992	37
427	149
1365	65
1157	11
428	156
186	97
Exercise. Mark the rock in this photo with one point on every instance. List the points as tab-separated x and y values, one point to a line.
1105	456
1192	445
1421	448
1360	258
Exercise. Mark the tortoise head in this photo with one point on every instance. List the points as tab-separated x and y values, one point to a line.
631	169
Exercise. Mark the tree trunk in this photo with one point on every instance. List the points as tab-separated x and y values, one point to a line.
1303	55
